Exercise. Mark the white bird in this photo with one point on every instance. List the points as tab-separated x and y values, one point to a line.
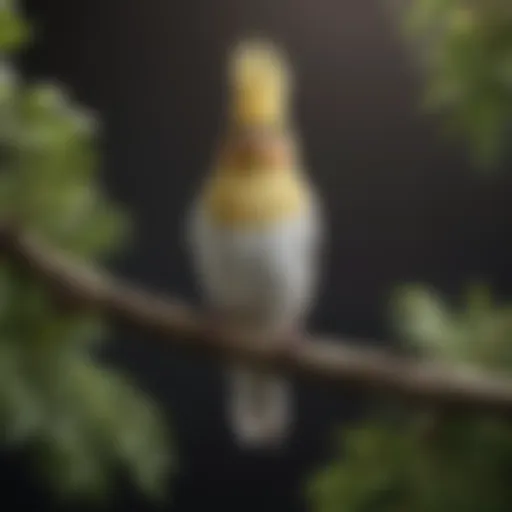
254	236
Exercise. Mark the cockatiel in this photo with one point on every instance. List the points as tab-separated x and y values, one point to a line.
254	235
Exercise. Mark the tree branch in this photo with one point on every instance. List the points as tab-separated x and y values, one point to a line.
336	361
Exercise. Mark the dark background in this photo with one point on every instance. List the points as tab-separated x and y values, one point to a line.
403	204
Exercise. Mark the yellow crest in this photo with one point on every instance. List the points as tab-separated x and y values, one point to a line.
260	81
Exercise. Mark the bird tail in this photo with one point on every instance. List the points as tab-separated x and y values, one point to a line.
259	408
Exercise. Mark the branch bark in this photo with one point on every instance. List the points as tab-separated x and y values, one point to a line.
340	361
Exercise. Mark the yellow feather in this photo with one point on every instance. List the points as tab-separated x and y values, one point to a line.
252	192
260	81
257	200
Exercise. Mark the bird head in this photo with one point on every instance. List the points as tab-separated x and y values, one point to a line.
260	80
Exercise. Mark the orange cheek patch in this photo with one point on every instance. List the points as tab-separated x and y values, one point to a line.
277	155
257	152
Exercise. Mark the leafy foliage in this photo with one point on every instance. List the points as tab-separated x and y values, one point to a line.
423	461
82	421
466	48
421	464
476	333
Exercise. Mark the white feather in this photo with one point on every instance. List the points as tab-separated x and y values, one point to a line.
268	278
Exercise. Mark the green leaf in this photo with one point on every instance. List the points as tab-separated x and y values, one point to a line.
465	49
82	421
421	317
21	411
8	84
13	31
70	464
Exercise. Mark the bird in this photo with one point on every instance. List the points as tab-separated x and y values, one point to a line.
255	233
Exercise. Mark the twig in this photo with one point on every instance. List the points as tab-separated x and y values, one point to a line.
339	360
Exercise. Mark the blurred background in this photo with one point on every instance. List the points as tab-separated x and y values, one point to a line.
404	204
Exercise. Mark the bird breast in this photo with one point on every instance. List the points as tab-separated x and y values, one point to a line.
262	274
262	200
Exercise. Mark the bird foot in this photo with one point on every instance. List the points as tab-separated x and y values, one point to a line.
215	324
290	340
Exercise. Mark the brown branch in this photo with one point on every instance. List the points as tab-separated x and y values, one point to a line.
336	361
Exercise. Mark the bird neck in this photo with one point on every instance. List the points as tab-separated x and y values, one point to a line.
257	179
257	150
